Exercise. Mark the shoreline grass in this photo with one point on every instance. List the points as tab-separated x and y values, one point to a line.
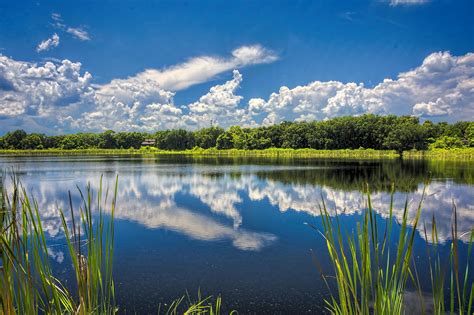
435	154
442	154
371	277
271	152
27	282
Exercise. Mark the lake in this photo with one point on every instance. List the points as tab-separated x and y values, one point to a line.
237	226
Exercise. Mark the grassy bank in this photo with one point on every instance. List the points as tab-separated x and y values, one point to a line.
272	152
441	154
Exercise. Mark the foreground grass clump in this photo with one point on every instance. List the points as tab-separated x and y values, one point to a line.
27	281
371	277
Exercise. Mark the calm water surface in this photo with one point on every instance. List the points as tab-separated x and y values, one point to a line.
237	226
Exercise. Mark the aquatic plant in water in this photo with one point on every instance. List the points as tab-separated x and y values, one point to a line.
371	277
27	282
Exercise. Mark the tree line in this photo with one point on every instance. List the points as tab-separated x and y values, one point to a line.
369	131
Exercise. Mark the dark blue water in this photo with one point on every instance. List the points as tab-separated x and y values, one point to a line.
236	227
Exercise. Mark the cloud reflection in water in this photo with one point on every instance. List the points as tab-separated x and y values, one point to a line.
152	200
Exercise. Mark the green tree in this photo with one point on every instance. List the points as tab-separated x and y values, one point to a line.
53	141
107	140
33	141
207	137
317	137
447	142
13	139
126	140
470	134
239	137
406	134
224	141
178	139
294	136
3	144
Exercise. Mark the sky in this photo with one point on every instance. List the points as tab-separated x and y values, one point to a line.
77	66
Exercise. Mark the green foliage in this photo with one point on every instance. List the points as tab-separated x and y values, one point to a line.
225	141
27	283
33	141
372	278
405	134
127	140
470	134
79	141
178	139
13	139
107	140
447	142
207	137
295	136
368	131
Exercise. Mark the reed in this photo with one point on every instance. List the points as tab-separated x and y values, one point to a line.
93	264
270	152
371	277
461	291
27	281
462	154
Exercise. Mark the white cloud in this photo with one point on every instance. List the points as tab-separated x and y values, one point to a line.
219	105
407	2
57	17
156	192
57	97
437	108
199	69
145	101
79	33
56	255
48	43
442	86
28	89
155	195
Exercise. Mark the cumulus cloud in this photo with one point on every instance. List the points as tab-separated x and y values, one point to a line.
59	97
145	101
48	44
28	89
219	105
443	86
58	92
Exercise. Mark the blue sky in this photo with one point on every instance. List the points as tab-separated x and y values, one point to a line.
350	48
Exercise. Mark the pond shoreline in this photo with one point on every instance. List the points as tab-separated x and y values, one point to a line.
456	154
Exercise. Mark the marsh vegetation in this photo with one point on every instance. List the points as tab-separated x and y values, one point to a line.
374	270
381	133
